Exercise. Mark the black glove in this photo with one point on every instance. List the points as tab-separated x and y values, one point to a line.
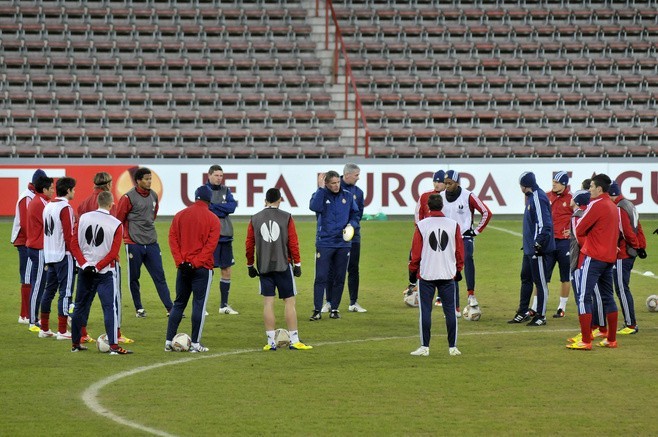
89	271
458	276
185	268
656	231
470	233
297	271
252	271
539	251
641	253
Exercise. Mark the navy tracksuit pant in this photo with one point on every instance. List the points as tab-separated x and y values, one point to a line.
533	272
330	261
37	281
469	267
621	274
150	256
197	284
447	291
107	285
595	288
61	275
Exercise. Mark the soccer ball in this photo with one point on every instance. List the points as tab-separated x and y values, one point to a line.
281	338
181	342
411	299
652	303
472	314
102	344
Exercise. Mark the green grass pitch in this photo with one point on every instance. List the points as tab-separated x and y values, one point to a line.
359	378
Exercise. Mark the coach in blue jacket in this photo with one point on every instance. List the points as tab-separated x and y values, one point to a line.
334	208
537	241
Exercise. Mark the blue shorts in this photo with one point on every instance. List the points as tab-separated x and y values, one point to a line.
284	282
224	254
559	256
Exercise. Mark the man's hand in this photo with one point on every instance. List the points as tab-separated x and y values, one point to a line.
89	272
297	271
469	233
458	276
539	251
252	271
185	268
321	180
641	253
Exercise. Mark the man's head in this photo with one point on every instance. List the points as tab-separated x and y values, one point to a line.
581	198
103	181
203	193
45	186
332	181
66	187
585	184
435	202
143	178
527	181
351	173
215	175
614	191
600	184
439	180
560	182
273	197
105	200
451	180
37	174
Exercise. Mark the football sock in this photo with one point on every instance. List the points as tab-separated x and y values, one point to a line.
471	292
61	324
563	303
294	337
167	342
45	321
534	304
25	300
585	327
224	287
83	331
612	325
270	337
118	334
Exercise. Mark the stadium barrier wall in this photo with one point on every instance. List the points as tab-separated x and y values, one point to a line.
390	187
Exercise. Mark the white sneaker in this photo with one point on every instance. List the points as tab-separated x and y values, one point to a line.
438	303
472	301
423	351
356	308
46	334
64	336
228	310
326	308
23	320
198	347
454	351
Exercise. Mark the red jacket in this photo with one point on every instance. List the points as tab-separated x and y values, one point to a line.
598	230
193	236
121	212
417	247
35	221
21	238
561	212
293	243
628	236
91	204
422	210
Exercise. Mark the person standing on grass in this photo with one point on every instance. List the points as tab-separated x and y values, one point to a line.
18	239
437	258
59	221
137	211
193	237
102	183
632	244
223	205
598	233
351	173
560	200
460	205
537	241
96	245
272	236
335	210
44	190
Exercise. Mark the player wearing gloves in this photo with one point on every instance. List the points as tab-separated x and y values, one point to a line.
193	237
437	258
334	208
460	204
537	241
632	244
96	245
272	237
